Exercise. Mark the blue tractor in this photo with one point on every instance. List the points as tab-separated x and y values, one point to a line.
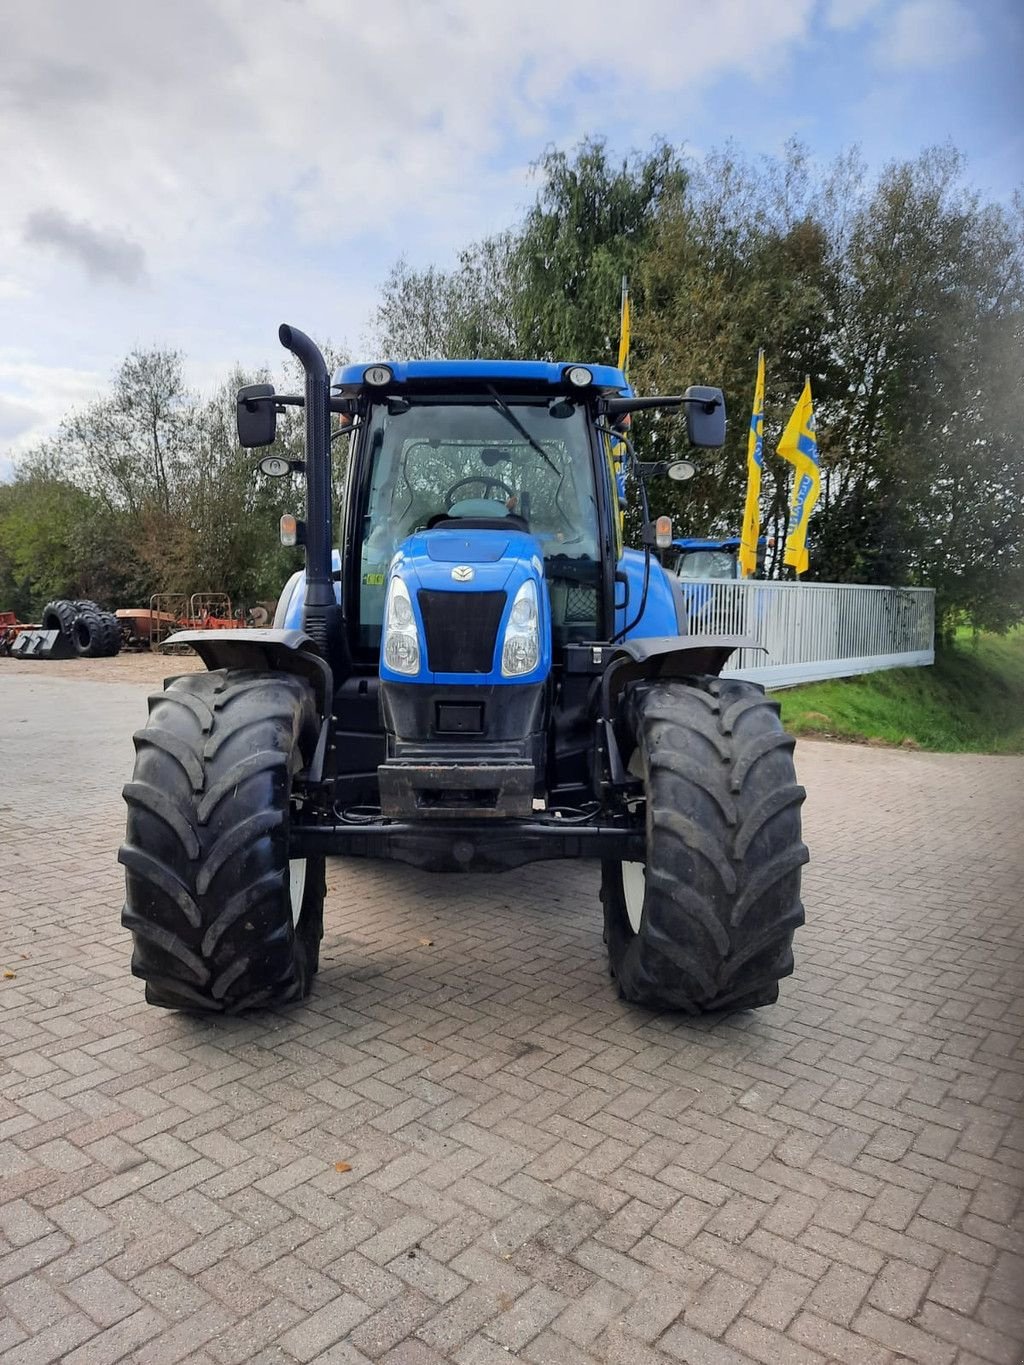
698	562
478	675
697	558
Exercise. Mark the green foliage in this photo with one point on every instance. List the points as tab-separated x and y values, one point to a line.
971	700
902	296
146	490
39	521
548	288
467	311
591	224
930	331
741	261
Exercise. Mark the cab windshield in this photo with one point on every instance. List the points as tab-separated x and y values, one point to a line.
697	564
436	464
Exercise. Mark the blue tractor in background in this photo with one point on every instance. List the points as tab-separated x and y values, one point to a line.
698	562
696	558
478	675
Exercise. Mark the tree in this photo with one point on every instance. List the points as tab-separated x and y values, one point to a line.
550	286
57	540
146	490
132	448
740	262
590	225
929	325
466	311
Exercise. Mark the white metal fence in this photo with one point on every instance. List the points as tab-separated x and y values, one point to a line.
814	630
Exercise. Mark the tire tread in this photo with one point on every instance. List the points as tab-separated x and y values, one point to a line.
725	852
205	853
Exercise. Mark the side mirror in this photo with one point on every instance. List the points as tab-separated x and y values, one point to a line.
256	415
705	416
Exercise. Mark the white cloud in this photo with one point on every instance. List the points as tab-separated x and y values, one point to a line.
257	159
849	13
179	126
927	34
34	397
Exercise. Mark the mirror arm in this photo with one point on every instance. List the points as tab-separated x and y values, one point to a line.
295	400
614	407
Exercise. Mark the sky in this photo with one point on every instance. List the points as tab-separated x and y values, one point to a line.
193	174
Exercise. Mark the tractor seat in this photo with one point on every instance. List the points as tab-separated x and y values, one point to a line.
444	521
479	514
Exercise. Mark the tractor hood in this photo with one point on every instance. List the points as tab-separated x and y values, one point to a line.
493	554
462	586
475	547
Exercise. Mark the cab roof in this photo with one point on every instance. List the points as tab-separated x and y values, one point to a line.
697	543
723	543
524	375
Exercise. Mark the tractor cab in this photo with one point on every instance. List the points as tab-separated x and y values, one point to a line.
698	559
448	468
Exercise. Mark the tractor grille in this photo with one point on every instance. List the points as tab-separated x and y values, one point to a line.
461	629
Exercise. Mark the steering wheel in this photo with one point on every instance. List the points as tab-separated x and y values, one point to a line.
488	482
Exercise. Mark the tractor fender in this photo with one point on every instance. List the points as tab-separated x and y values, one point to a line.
266	650
667	656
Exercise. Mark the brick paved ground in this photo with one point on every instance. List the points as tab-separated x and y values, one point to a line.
539	1172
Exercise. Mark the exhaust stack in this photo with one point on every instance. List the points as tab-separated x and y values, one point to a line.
319	531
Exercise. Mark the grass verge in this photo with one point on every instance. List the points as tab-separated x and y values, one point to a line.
970	701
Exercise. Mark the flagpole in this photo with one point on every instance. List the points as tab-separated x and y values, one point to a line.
624	327
751	529
807	384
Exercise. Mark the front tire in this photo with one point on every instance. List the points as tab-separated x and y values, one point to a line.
707	923
222	919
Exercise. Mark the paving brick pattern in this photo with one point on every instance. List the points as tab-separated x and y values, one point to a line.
539	1172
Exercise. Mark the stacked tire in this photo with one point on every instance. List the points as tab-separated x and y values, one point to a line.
92	632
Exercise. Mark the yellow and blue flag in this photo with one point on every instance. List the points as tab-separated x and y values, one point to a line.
624	330
799	445
755	461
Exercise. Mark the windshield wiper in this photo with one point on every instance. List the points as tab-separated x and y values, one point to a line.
507	412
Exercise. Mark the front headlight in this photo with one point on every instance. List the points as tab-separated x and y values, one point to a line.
520	652
401	639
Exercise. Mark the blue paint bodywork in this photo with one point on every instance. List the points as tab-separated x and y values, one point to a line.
501	561
663	609
697	543
664	613
542	373
294	595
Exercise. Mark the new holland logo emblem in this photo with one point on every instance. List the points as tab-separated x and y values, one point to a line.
463	573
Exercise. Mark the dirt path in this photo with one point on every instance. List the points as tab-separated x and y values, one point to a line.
144	667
